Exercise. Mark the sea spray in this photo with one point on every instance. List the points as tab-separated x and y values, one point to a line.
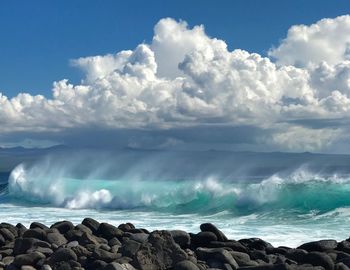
299	192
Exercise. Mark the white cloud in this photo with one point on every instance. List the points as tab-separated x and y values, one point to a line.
327	40
184	78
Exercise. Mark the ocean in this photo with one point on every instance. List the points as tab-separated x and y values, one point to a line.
285	199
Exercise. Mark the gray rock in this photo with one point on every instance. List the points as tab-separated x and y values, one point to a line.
129	248
219	254
63	254
7	234
255	243
56	238
208	227
341	266
35	233
316	258
27	267
160	252
91	224
182	238
322	245
139	237
38	225
104	255
63	226
28	259
23	244
46	267
203	239
186	265
109	231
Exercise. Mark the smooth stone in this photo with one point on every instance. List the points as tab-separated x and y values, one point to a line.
63	254
56	238
322	245
104	255
63	226
39	225
35	233
186	265
255	243
219	254
129	248
180	237
209	227
28	259
7	234
109	231
91	223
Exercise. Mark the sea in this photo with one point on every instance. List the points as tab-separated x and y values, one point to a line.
286	199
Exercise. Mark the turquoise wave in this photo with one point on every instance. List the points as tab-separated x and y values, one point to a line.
299	192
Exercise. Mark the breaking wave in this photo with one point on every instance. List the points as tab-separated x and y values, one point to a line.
300	192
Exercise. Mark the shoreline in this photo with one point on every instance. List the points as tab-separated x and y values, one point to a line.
94	245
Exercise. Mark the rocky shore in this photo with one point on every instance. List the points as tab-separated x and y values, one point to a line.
92	245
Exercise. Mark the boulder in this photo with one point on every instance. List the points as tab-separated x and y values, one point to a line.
219	254
186	265
203	239
28	259
208	227
322	245
129	248
7	234
63	254
56	238
63	226
38	225
316	258
160	252
182	238
109	231
104	255
91	224
255	243
23	244
35	233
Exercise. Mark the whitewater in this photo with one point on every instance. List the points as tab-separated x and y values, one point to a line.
285	207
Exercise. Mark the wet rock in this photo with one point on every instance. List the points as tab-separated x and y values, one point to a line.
7	234
234	245
91	224
129	248
182	238
316	258
255	243
186	265
109	231
28	259
208	227
139	237
23	244
56	238
104	255
160	252
219	254
268	267
322	245
63	254
39	225
63	226
203	239
35	233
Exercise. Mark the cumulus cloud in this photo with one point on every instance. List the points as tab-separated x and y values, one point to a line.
187	80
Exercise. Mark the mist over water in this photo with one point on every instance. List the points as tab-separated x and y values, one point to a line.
242	192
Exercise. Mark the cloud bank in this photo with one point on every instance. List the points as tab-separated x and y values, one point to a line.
186	88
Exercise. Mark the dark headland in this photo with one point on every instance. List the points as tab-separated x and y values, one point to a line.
93	245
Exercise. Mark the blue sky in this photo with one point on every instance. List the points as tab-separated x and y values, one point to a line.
240	75
40	37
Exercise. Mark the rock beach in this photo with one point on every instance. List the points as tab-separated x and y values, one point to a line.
93	245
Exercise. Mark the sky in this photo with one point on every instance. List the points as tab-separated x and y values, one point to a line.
239	75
